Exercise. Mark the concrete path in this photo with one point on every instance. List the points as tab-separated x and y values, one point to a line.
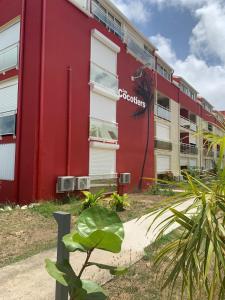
28	279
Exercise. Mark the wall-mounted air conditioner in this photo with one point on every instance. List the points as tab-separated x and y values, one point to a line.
82	183
65	184
124	178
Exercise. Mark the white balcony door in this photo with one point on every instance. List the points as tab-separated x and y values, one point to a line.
162	132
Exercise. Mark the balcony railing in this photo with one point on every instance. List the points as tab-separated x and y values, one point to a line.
103	131
103	78
208	152
163	145
102	15
162	112
9	58
188	124
188	149
143	55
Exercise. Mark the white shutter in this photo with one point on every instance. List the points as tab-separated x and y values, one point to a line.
162	163
193	162
162	132
10	36
8	97
103	108
7	161
183	162
103	56
102	162
193	139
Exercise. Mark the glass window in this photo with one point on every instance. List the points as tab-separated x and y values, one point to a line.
102	130
7	125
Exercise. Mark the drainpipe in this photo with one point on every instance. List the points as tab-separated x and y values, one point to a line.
69	127
41	101
20	97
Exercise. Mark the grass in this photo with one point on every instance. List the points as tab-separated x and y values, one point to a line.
143	280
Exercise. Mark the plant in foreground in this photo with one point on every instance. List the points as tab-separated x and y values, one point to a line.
197	254
118	202
90	199
97	228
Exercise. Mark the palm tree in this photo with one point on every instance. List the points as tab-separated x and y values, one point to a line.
196	255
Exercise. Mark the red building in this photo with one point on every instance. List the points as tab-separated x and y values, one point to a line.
67	98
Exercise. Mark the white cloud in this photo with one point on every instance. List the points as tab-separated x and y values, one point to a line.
208	80
134	10
208	36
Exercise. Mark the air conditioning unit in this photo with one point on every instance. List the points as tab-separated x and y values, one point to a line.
124	178
65	184
82	183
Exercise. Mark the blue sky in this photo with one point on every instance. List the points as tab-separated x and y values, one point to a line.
190	36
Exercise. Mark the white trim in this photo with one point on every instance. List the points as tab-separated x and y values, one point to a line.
8	82
96	88
104	145
85	11
103	39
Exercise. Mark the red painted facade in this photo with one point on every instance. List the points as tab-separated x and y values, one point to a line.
54	101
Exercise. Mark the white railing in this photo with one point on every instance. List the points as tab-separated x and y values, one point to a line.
103	77
143	55
186	123
103	16
188	148
162	112
9	58
101	130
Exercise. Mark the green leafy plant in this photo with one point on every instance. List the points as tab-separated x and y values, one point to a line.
90	199
196	257
97	228
163	190
119	202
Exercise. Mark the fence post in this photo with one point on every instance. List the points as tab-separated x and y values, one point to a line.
63	220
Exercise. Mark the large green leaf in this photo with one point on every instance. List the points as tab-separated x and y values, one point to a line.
71	245
112	269
99	239
101	219
94	291
54	272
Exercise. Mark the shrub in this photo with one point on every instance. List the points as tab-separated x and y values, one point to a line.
97	228
91	200
118	202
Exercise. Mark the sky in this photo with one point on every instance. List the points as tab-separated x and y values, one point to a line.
190	36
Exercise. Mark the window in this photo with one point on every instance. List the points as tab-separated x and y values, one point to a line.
162	163
162	71
210	127
7	158
9	47
103	131
8	107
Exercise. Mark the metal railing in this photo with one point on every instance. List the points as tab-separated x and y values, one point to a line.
103	77
164	145
188	124
188	149
101	130
9	58
103	16
162	112
143	55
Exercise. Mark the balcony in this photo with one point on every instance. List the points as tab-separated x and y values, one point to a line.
162	112
104	78
188	124
163	145
143	55
9	58
110	23
208	152
103	131
188	149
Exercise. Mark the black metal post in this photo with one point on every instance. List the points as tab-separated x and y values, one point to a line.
63	220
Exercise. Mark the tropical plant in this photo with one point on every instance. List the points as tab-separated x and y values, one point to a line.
97	228
196	257
118	202
91	199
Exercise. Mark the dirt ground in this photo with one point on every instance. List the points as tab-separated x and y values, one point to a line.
26	232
